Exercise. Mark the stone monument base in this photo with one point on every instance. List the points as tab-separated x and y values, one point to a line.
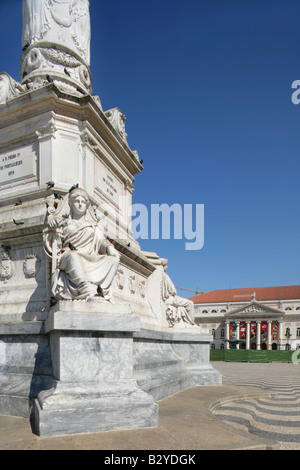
167	362
25	365
92	359
90	367
87	408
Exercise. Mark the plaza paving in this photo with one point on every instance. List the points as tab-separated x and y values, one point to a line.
257	407
276	417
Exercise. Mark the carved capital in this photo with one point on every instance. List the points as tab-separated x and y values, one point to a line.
46	131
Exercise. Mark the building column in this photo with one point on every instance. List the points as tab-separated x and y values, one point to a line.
258	334
238	334
248	334
279	340
269	337
227	334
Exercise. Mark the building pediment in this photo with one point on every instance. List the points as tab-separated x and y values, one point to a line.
254	310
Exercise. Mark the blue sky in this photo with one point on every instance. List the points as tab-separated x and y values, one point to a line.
206	89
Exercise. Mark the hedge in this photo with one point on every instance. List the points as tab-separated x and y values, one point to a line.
249	355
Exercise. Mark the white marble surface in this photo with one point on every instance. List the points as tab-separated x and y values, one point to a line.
91	316
65	24
95	388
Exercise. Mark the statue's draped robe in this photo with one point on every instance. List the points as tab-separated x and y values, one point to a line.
62	22
84	266
35	20
183	309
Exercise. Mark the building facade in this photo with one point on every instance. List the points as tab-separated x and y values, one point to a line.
261	318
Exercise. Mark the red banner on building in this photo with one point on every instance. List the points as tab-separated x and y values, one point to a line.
243	330
253	330
264	331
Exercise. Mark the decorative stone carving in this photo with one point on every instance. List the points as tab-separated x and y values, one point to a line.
132	284
254	309
62	22
31	265
59	64
56	45
9	88
97	100
46	131
7	268
129	186
84	262
117	120
142	288
178	309
120	279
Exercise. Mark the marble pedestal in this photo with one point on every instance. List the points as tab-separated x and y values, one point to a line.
167	362
90	367
92	357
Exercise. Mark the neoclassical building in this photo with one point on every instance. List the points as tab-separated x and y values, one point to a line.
264	317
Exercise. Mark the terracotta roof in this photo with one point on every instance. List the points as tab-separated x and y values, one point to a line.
245	295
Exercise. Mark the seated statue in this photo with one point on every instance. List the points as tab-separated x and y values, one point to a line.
177	308
84	262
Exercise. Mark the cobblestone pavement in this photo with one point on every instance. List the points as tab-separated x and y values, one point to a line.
258	407
276	417
186	422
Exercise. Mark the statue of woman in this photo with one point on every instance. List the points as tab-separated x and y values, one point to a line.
85	261
178	308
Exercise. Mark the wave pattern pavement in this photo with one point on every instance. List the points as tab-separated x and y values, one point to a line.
275	416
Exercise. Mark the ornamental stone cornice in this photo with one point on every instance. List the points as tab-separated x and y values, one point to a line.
254	310
50	99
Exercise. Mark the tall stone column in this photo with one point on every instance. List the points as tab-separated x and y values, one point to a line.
56	45
227	330
238	333
279	341
258	334
248	335
269	335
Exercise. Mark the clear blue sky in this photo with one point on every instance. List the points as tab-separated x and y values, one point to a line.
206	89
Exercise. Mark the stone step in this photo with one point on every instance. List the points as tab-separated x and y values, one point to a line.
162	380
17	391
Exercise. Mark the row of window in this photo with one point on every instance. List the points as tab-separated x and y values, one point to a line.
253	346
214	311
222	333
